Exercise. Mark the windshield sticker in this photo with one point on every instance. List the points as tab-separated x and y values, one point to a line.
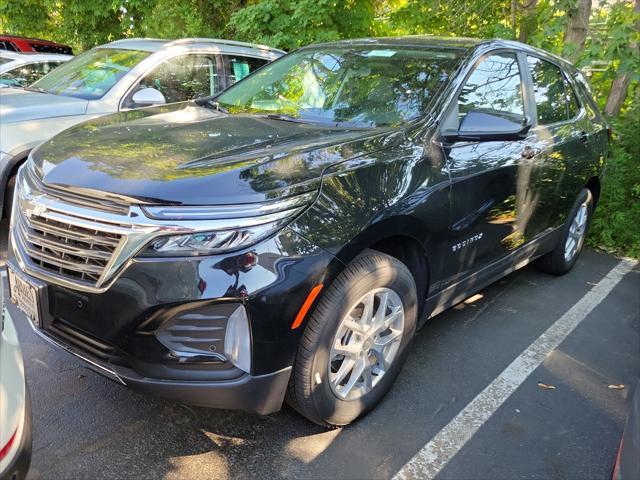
380	53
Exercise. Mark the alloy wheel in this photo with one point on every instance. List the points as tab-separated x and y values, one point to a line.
577	231
366	343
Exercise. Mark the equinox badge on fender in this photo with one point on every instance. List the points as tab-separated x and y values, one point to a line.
465	243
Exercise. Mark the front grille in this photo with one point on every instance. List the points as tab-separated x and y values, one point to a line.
88	344
78	253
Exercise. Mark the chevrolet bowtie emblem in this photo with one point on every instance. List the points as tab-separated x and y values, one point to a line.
37	210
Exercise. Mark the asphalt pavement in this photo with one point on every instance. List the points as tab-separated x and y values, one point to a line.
86	426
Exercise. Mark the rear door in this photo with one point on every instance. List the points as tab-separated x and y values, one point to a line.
493	205
564	140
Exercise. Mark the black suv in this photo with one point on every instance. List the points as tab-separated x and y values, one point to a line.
285	238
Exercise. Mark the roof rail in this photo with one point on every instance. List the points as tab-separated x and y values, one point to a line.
181	41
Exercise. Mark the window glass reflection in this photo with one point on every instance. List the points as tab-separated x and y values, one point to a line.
552	100
494	87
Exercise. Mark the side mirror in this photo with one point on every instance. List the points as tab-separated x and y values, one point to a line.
479	126
147	97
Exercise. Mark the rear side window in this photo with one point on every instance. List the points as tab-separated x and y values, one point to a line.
494	87
555	99
240	67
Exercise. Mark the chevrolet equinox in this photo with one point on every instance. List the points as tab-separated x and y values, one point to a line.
284	239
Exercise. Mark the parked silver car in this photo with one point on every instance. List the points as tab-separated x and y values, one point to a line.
22	69
15	406
117	76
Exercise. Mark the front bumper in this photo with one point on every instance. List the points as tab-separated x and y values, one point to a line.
262	394
121	332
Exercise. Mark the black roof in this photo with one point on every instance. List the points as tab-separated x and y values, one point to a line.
461	44
458	43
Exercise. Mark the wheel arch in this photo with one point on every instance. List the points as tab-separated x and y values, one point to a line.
594	186
406	247
9	171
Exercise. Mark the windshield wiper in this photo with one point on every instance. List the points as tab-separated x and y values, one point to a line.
209	102
284	118
38	90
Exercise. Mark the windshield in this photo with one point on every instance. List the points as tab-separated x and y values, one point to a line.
352	85
91	74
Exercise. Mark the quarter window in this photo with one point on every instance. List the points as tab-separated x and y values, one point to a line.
184	78
495	86
555	99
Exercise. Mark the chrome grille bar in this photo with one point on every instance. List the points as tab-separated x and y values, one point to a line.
81	260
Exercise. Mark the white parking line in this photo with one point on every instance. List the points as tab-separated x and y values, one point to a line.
435	455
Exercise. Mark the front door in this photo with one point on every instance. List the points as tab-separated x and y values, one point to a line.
492	203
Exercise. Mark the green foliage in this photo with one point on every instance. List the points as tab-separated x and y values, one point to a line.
81	23
290	24
26	17
476	18
609	45
616	224
189	18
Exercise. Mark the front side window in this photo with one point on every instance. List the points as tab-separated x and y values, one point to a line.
554	101
92	74
184	78
494	87
27	74
362	86
240	67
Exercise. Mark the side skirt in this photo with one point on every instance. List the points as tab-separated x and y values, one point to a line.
456	293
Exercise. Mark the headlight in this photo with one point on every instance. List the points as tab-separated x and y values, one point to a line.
217	229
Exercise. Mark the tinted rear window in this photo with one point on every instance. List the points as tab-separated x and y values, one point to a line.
43	48
555	100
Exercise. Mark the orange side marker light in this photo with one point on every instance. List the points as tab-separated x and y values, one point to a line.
306	306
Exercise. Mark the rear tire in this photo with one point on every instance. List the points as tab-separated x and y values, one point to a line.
339	341
564	256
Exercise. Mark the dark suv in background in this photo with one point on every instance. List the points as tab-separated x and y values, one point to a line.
286	238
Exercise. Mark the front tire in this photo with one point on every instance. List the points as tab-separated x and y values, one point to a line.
564	256
355	342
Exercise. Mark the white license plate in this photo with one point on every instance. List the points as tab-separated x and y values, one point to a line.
24	295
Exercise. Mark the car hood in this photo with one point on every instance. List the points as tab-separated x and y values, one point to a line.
185	154
18	105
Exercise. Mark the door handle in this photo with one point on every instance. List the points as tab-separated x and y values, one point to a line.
529	152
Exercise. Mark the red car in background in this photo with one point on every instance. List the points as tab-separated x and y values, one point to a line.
23	44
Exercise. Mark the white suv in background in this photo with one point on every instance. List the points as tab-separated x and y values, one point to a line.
117	76
22	69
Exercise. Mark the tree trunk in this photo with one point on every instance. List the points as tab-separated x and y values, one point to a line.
514	11
528	22
577	30
620	85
